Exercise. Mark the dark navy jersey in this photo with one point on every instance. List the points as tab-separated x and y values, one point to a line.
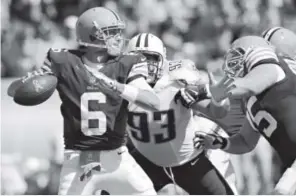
273	113
94	117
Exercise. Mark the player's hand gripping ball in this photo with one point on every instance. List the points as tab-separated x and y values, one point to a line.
34	90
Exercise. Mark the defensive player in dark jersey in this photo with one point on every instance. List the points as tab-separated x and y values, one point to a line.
267	82
94	84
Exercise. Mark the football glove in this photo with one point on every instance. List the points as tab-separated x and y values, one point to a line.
105	81
88	169
222	89
190	95
209	141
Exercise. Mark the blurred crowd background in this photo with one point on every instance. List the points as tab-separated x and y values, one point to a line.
200	30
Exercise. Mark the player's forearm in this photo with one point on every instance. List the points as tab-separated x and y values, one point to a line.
287	183
219	109
237	144
242	92
144	98
268	74
213	109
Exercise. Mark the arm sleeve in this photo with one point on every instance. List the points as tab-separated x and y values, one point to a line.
260	56
48	65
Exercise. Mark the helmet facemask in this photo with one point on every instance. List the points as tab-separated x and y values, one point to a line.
107	38
155	64
234	63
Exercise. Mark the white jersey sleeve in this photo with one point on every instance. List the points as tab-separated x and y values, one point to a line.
184	70
139	69
260	55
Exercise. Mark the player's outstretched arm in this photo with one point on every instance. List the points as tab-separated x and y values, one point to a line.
242	142
211	100
219	105
287	183
137	91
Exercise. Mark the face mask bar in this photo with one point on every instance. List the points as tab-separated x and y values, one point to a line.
154	61
234	62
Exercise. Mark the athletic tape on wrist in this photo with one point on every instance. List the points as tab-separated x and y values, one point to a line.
130	93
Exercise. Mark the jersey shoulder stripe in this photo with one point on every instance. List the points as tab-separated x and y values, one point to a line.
260	56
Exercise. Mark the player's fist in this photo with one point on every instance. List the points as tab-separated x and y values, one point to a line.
105	81
187	97
208	141
191	94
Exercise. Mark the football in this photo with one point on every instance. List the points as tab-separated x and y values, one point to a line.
35	90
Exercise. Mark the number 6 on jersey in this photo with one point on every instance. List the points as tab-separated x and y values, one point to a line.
92	122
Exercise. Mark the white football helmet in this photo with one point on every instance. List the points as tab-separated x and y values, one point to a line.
153	49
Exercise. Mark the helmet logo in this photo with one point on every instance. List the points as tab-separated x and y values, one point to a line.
95	34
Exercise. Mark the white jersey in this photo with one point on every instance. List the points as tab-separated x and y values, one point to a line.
165	137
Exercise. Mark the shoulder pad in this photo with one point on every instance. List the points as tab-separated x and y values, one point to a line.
63	55
184	70
260	55
56	55
184	63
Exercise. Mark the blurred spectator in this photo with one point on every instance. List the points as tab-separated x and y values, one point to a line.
12	180
200	30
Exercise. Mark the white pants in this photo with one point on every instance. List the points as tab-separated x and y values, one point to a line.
221	160
115	172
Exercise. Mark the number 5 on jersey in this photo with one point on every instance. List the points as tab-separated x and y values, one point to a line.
92	122
260	119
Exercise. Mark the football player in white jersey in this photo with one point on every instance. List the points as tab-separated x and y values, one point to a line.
267	81
164	138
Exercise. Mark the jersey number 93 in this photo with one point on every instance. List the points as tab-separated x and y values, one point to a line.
138	122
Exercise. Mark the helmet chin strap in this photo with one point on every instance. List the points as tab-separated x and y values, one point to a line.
92	45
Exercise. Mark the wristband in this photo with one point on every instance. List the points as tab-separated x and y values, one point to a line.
225	143
129	93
